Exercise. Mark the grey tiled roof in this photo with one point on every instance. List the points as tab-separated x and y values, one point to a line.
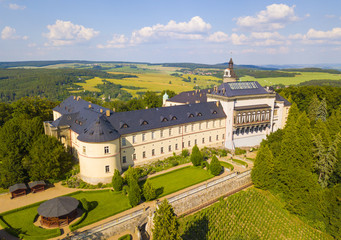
36	183
282	99
250	107
257	89
17	186
94	126
191	96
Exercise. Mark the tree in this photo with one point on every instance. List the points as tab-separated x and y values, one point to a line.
263	169
47	159
322	111
134	193
165	223
117	181
313	107
131	174
149	191
152	100
196	157
215	166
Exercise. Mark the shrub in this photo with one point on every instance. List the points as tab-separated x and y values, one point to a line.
85	204
215	166
240	162
117	181
223	153
185	153
125	237
239	151
134	193
125	189
149	191
196	157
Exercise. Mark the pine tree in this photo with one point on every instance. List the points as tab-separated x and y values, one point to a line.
131	174
215	166
134	194
263	169
313	107
117	181
196	156
293	115
165	223
322	111
149	192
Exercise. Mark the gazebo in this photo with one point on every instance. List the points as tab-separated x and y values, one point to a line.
37	186
18	189
58	211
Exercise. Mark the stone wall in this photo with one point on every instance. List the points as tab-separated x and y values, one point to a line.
181	203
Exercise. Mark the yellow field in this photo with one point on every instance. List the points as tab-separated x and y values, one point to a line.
303	77
91	84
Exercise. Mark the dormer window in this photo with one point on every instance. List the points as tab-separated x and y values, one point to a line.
199	114
123	125
214	112
190	115
143	122
163	119
174	118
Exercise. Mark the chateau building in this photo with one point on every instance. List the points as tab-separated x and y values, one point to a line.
234	114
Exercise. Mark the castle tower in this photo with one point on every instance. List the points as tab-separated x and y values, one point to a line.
229	75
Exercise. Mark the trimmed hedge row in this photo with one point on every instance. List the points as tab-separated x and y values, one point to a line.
240	162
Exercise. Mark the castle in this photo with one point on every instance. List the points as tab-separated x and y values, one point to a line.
234	114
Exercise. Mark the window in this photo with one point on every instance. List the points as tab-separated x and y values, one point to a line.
203	140
183	145
206	125
210	138
143	137
107	169
169	148
124	141
185	128
199	126
179	130
124	159
134	156
223	136
275	112
192	127
161	133
84	149
161	149
189	143
213	123
217	138
134	139
195	142
153	135
176	146
144	154
153	152
170	132
106	149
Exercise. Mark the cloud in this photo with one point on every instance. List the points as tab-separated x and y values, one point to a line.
238	39
14	6
66	33
266	35
335	33
218	37
274	17
118	41
10	33
280	50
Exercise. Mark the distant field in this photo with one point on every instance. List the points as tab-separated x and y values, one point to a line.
90	84
302	77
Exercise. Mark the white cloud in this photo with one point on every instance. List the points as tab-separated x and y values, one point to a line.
118	41
218	37
10	33
274	17
280	50
238	39
192	30
66	33
266	35
335	33
14	6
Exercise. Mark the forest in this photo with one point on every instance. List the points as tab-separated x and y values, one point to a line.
301	164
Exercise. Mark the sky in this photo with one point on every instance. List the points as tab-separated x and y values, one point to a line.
251	32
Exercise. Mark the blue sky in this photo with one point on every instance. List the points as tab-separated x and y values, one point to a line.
255	32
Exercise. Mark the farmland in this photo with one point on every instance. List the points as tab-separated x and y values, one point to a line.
299	78
250	214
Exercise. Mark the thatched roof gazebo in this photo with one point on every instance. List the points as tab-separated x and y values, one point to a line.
18	189
37	186
58	211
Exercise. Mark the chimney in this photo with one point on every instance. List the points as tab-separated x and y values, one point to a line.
101	110
187	102
217	103
197	101
193	94
196	91
107	113
79	97
89	105
114	109
146	107
209	90
200	94
74	97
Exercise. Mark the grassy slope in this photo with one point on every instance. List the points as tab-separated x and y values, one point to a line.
227	165
250	214
179	179
303	77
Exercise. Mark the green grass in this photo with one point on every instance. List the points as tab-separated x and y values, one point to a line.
108	204
302	77
125	237
227	165
21	223
179	179
250	159
250	214
2	190
240	162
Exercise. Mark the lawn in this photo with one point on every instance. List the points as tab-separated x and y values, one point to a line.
302	77
179	179
227	165
240	162
106	203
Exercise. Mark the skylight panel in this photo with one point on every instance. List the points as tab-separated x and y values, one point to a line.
243	85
